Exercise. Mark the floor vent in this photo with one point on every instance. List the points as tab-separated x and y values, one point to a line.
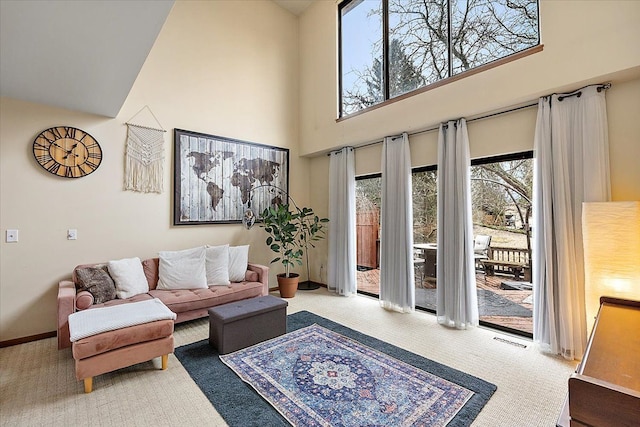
517	344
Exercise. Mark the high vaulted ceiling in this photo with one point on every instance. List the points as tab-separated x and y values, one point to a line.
81	55
294	6
77	55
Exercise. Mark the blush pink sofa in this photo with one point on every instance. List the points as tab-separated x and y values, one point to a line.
188	304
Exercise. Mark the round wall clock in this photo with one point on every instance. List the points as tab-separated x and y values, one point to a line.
66	151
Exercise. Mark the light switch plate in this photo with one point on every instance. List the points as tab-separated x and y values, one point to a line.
72	234
12	236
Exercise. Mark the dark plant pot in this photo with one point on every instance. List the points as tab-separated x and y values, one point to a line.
288	285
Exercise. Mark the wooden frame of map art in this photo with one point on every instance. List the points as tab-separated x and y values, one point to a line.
216	179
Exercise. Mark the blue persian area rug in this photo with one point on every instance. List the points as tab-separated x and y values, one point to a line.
317	377
325	374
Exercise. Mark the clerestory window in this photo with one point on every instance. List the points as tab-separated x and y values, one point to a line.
392	47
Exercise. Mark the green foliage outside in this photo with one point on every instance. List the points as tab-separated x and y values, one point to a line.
501	195
421	51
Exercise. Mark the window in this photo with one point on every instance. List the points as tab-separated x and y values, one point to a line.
425	204
368	190
501	190
392	47
368	203
501	194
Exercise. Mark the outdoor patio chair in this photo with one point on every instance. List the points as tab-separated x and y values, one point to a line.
418	267
481	249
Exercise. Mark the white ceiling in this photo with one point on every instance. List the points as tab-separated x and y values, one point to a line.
81	55
294	6
78	55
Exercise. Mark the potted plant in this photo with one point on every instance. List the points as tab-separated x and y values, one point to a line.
311	230
290	235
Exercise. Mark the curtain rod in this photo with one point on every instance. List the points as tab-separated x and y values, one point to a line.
434	128
576	92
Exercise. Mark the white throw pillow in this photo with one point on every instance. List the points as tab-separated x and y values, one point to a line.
218	265
129	277
238	261
182	269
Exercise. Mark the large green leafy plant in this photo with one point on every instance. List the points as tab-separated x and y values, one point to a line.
291	232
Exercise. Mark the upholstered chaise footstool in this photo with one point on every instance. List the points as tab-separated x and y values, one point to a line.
109	338
244	323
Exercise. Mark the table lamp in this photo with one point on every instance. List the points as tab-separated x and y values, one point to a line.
611	239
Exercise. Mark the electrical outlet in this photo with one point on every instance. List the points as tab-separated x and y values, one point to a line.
12	236
72	234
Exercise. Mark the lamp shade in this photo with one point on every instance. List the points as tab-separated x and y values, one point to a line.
611	238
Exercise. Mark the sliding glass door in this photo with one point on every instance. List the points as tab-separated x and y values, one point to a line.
501	207
501	189
425	231
368	234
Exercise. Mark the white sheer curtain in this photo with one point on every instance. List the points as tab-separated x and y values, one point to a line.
457	304
341	267
571	167
397	290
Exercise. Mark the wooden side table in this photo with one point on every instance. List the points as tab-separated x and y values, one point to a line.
605	390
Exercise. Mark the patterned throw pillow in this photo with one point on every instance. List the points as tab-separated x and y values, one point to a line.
97	282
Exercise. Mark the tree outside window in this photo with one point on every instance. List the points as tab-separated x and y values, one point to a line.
392	47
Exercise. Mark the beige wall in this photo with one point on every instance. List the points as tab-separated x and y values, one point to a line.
623	114
208	73
506	133
513	132
599	46
224	68
584	42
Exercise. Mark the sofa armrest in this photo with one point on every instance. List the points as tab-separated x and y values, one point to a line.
66	306
263	276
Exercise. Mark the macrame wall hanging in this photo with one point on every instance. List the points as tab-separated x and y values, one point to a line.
144	157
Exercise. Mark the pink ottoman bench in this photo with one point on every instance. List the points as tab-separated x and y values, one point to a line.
109	338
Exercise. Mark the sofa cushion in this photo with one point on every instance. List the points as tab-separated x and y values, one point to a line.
111	340
182	269
117	301
251	276
150	268
217	265
97	282
74	276
238	261
182	300
129	277
84	300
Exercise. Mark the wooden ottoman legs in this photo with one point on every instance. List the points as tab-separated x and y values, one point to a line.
98	352
88	382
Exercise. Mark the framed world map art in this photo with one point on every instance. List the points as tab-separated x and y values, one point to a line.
216	179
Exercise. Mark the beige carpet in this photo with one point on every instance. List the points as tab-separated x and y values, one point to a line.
38	385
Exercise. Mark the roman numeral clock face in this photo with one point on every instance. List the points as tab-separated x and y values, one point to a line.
67	152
